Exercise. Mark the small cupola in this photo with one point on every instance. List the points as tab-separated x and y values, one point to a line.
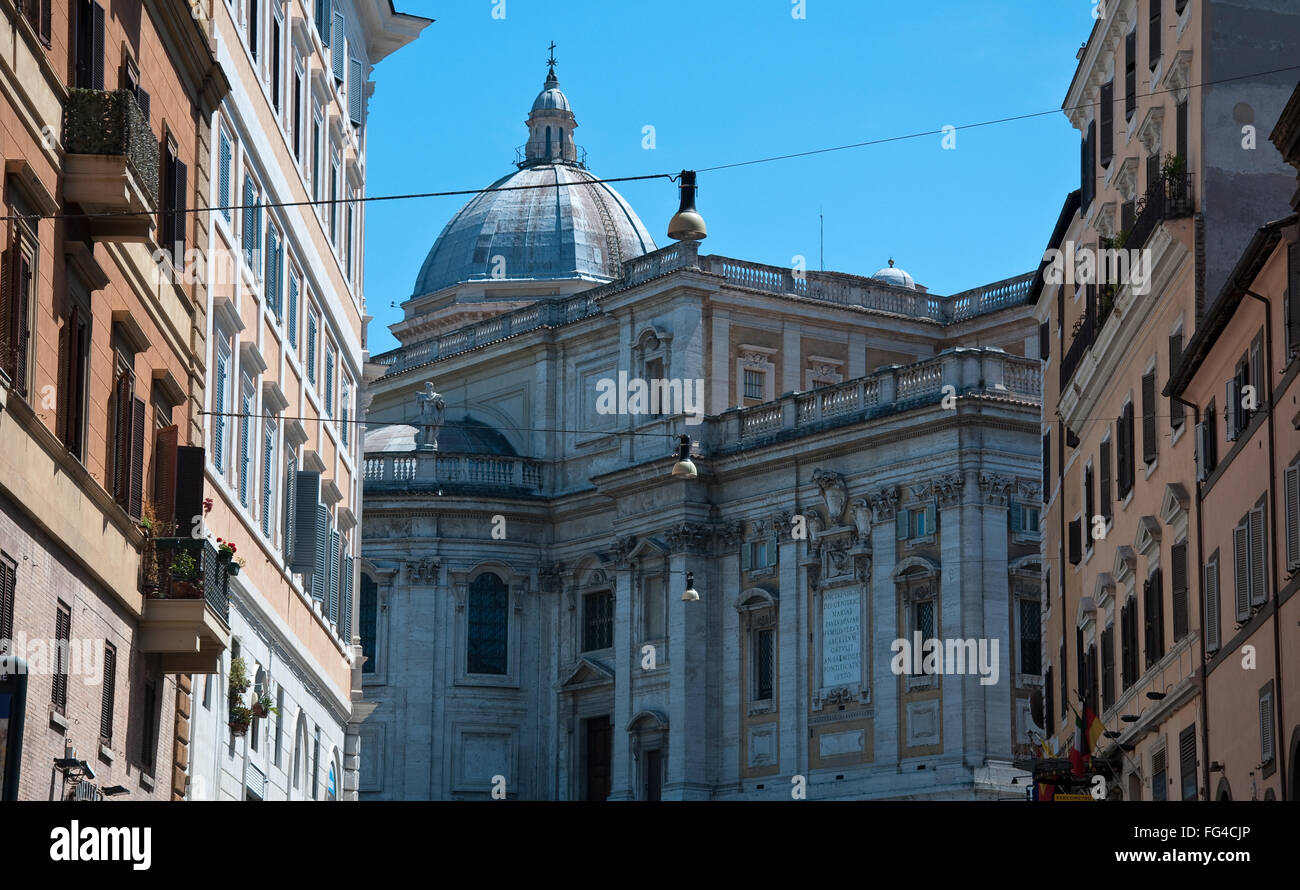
551	124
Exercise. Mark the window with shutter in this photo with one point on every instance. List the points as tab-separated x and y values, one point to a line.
1156	33
250	232
219	408
16	281
1076	543
293	310
62	637
1105	491
1241	570
1266	733
89	72
108	695
290	504
312	326
1180	131
338	47
1202	463
1089	507
1107	668
356	91
333	571
1178	566
324	20
1160	775
1211	421
1258	529
1047	466
345	622
1157	650
8	587
305	546
1212	603
135	502
1087	168
272	274
1106	111
225	158
1187	762
123	392
245	443
1291	494
1130	74
1293	295
190	460
320	561
268	478
1177	410
1150	444
1149	596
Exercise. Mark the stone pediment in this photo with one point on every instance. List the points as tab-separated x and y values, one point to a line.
587	673
1148	535
1174	502
1125	562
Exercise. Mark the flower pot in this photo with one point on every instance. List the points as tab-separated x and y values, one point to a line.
232	569
186	589
225	555
258	710
238	728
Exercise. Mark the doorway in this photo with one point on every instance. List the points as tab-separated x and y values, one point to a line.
599	755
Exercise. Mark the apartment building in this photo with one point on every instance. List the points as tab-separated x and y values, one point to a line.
285	353
104	131
1247	498
1174	176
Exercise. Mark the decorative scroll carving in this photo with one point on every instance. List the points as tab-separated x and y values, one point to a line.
862	520
688	537
729	535
995	488
548	576
885	503
947	488
423	571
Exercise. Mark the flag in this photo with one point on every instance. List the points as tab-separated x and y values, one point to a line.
1079	750
1092	727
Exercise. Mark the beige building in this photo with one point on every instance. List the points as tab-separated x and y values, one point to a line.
1173	181
1247	499
104	134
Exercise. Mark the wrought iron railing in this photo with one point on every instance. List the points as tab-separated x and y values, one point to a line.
577	157
110	122
1168	198
202	575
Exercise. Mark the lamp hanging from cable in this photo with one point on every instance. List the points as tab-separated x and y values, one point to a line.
690	594
684	467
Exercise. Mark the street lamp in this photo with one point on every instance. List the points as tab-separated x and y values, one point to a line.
684	467
690	595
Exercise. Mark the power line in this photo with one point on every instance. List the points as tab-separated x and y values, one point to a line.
451	423
669	176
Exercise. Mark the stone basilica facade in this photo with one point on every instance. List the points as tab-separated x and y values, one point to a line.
868	469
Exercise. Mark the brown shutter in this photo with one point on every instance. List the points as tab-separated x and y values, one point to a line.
109	695
164	473
1178	559
1149	441
8	294
1293	295
122	440
137	458
8	580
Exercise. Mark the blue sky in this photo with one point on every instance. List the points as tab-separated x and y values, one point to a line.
730	80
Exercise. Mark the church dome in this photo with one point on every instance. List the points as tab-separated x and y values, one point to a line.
468	436
550	220
895	276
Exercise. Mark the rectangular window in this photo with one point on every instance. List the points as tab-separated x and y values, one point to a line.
1187	762
17	301
597	621
1159	776
1047	466
1150	441
334	201
315	157
1105	490
1180	132
293	309
254	20
348	239
329	380
8	588
1177	410
1154	617
1293	298
1266	727
345	405
1125	448
1130	75
252	225
1108	668
277	28
245	440
1241	569
654	608
1178	571
225	163
1156	34
1106	112
1088	506
268	477
312	326
323	20
764	664
272	273
1088	168
1258	532
1031	637
1076	541
109	694
754	383
89	72
1212	603
149	738
298	125
62	639
74	350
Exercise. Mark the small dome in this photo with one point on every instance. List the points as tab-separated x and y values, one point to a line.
551	98
897	277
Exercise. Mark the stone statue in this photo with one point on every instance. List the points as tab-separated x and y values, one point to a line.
433	408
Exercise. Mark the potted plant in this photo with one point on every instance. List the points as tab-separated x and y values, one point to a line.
264	705
184	572
233	567
240	717
225	550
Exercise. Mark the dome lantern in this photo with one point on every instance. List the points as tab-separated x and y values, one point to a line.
551	124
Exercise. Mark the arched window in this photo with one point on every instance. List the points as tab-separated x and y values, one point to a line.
368	622
299	739
548	142
488	625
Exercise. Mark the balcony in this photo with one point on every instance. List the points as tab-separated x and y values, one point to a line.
187	605
500	475
1170	198
112	163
